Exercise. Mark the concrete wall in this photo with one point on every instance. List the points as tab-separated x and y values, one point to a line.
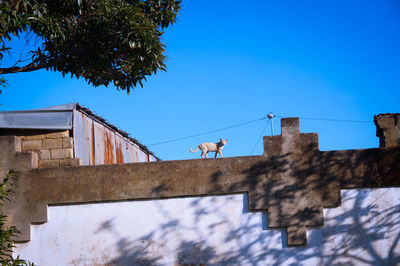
179	212
293	181
215	230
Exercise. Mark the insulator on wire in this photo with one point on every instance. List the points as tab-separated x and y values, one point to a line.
270	115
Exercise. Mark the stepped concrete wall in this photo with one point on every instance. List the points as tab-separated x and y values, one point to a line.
293	184
215	230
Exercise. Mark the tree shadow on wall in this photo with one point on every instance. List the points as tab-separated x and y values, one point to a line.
192	253
132	254
355	233
362	230
366	232
352	236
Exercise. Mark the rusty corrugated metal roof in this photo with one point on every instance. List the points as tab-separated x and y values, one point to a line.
58	117
89	113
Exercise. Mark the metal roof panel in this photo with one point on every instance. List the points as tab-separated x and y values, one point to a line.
37	119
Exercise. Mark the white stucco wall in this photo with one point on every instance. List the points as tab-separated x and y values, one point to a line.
218	230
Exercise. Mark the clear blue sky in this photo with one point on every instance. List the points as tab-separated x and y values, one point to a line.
236	61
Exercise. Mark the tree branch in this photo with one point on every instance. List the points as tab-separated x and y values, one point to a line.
16	69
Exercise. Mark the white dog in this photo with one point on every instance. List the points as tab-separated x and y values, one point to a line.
213	147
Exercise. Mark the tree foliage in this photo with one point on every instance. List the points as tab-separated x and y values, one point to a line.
103	41
8	233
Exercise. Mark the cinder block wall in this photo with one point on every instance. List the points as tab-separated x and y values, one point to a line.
53	148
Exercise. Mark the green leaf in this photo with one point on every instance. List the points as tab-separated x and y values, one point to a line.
103	41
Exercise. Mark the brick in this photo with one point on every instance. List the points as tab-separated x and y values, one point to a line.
50	144
34	137
49	163
57	135
31	145
70	162
44	155
62	153
68	142
18	144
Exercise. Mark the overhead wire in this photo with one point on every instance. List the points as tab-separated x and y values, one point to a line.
259	138
255	120
328	119
208	132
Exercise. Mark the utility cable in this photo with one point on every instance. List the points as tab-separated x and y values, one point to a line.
327	119
259	138
208	132
255	120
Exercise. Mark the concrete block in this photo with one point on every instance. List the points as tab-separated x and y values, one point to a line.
388	129
70	162
44	154
68	142
57	135
11	156
297	235
386	120
26	160
24	229
290	126
31	145
17	144
8	146
34	137
49	144
62	153
49	163
39	213
390	135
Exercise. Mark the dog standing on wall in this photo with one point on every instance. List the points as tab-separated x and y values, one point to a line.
213	147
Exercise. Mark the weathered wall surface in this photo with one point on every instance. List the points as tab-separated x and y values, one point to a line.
216	230
293	183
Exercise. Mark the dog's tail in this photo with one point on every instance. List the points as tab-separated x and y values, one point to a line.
197	148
